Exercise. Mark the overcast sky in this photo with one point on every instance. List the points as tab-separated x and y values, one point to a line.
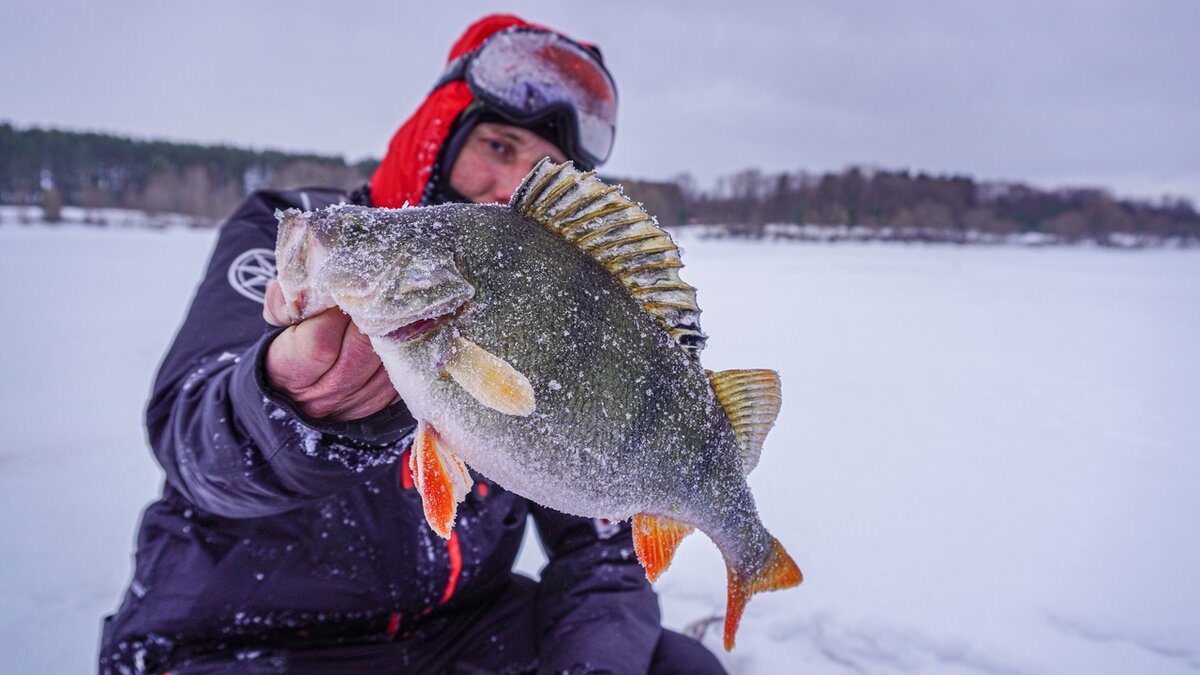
1050	92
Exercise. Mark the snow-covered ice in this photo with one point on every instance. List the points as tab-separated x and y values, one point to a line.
988	459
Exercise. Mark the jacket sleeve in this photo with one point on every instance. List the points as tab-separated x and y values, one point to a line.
596	611
228	443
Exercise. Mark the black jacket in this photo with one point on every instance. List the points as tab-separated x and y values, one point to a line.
273	530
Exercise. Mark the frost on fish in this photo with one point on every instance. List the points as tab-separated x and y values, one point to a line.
551	345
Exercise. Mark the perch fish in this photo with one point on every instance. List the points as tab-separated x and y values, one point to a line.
551	345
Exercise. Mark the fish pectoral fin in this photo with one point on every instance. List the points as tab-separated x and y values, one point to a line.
441	478
490	379
655	539
777	571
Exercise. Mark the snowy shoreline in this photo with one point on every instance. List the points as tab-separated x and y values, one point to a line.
837	234
100	219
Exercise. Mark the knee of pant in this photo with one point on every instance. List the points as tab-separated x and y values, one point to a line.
678	653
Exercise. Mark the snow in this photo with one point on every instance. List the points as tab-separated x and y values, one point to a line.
986	459
107	217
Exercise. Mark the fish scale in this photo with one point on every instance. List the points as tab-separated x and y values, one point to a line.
551	345
588	367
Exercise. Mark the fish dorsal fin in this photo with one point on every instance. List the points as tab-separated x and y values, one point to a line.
618	234
751	399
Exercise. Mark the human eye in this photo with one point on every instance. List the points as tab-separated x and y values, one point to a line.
500	147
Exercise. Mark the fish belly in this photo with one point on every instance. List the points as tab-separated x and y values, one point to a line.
580	452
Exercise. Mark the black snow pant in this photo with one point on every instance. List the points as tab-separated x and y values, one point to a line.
495	639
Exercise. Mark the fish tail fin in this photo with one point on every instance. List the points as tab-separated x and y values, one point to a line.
655	539
778	571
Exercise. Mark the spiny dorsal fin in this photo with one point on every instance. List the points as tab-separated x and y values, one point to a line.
751	399
618	234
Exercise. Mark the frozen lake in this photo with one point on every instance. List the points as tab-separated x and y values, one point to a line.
988	459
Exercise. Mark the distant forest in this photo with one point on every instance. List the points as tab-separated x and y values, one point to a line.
47	167
52	168
924	206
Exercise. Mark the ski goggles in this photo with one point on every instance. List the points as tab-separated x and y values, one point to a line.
530	76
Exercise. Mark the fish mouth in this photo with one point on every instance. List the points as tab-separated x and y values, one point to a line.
418	329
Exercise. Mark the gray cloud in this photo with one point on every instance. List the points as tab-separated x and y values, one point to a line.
1069	92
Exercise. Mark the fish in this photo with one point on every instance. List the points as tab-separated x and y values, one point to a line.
551	344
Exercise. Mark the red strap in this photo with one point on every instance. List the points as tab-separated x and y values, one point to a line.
455	567
406	479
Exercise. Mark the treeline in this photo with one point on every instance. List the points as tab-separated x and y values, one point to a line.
901	204
52	168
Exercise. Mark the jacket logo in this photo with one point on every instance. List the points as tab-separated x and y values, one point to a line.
605	528
251	272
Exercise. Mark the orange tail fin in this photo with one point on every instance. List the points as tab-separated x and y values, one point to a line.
779	571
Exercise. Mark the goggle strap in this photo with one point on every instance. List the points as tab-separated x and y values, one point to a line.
456	70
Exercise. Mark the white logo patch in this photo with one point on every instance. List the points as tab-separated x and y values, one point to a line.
605	528
251	272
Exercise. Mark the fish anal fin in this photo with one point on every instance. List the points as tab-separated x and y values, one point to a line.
441	478
655	539
490	379
751	399
777	572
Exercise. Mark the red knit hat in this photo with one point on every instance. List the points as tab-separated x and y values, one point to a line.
408	165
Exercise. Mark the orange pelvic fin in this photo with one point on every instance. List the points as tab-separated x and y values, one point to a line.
441	478
779	571
655	539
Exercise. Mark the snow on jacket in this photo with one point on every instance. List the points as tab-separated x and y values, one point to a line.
274	530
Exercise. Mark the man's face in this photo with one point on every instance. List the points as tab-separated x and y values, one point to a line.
495	159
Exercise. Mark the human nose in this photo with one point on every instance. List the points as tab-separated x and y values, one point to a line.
508	183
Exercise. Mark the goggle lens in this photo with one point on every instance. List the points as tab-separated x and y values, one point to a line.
527	73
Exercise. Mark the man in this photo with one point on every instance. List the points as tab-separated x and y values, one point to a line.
289	537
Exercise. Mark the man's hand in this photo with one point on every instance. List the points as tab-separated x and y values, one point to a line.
325	364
